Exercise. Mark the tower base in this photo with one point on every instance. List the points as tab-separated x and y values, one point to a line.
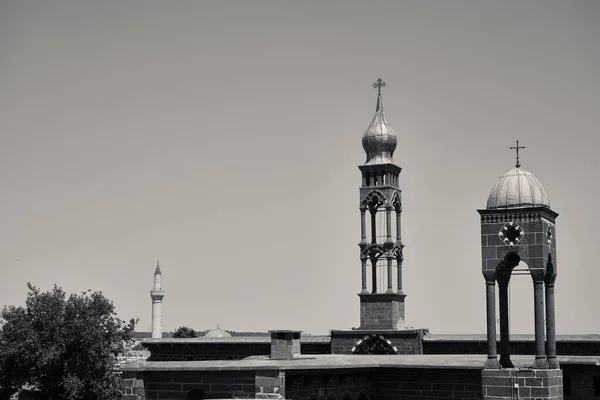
382	311
523	384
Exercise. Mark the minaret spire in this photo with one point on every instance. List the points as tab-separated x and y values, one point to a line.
157	294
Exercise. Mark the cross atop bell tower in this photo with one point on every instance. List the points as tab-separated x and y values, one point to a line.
381	307
517	147
378	85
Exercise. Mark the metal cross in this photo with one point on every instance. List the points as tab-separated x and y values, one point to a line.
379	84
517	147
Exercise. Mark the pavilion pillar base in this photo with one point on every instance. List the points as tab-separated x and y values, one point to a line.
522	384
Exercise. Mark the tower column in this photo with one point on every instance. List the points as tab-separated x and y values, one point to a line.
374	274
363	229
490	300
390	286
398	229
399	277
364	275
503	280
373	227
538	298
550	327
388	225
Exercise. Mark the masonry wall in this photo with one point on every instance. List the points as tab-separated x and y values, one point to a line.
581	382
223	351
522	384
215	384
426	384
405	342
315	385
207	351
570	348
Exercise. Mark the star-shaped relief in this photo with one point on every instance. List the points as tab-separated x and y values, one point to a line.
511	233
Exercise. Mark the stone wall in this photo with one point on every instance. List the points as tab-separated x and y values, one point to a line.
404	342
133	388
314	385
530	384
426	384
215	384
563	348
581	382
223	351
207	351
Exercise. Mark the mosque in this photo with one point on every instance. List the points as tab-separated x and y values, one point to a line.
385	358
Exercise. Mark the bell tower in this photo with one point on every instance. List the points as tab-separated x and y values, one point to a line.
518	237
381	305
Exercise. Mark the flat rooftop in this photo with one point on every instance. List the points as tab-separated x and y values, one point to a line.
338	361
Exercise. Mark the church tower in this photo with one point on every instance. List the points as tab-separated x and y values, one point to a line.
518	237
381	306
157	294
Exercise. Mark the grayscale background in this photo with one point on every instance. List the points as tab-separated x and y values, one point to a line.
223	138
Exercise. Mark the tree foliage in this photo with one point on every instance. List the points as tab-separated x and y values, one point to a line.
184	332
64	347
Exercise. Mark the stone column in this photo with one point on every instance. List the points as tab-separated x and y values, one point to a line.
398	229
390	286
503	280
373	227
399	261
363	229
364	275
490	300
538	299
374	274
551	324
388	225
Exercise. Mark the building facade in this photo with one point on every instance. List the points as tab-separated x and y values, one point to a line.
383	358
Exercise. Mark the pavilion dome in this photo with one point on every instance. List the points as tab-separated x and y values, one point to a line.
217	333
517	188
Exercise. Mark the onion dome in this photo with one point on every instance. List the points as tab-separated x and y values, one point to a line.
217	333
379	141
517	188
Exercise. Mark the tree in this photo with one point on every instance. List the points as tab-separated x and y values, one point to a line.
63	347
184	332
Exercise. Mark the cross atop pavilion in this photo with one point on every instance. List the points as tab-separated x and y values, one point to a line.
517	147
379	84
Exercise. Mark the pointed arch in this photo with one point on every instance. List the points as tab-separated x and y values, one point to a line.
374	344
396	202
373	251
374	200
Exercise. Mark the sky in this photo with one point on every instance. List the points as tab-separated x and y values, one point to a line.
223	138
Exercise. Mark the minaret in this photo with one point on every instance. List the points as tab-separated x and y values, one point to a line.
382	308
157	295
